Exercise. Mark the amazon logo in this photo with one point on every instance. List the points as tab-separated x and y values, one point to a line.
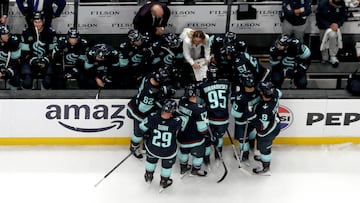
67	113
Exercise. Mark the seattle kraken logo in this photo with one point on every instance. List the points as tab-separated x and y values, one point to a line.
38	48
71	58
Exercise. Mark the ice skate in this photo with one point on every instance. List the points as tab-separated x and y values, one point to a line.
196	171
263	170
149	176
165	182
184	169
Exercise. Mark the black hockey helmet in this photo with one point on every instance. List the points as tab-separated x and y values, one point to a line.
241	46
227	50
267	88
283	40
134	35
38	16
172	40
102	51
162	75
247	79
211	73
169	106
4	30
73	33
229	38
190	90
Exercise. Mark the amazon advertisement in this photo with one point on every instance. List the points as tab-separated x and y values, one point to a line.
64	118
108	118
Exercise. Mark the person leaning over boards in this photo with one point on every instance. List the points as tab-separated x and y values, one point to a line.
294	17
152	19
196	48
330	16
29	7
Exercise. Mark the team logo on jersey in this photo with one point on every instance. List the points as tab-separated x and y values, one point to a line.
87	118
286	117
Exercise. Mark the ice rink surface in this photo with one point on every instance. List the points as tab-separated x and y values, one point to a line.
67	174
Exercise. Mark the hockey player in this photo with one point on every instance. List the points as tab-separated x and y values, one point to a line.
245	64
248	97
215	93
134	55
264	118
149	98
101	67
223	51
68	58
10	51
161	128
169	53
37	43
193	132
289	58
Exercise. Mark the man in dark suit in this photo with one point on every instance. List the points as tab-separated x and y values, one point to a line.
29	7
152	18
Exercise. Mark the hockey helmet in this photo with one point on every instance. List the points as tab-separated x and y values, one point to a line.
267	88
229	38
247	79
169	106
38	16
283	40
172	40
227	50
102	51
241	46
212	72
162	75
4	30
73	33
190	90
134	35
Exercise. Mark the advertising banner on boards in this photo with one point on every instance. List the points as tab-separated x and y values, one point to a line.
108	118
117	19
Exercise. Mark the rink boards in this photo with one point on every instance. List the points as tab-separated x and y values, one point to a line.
105	122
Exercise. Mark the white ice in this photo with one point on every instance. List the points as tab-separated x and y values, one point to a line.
67	174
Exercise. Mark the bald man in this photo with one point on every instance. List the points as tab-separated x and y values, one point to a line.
152	18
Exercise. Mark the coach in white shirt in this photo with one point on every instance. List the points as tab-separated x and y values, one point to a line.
196	48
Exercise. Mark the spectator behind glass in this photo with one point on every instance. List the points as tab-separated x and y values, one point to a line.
294	17
152	18
4	10
29	7
196	48
330	16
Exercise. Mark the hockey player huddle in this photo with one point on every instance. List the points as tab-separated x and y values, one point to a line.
193	128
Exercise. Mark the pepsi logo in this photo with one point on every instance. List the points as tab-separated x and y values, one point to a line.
286	117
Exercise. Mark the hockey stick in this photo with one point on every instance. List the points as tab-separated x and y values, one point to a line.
233	147
241	152
98	93
112	170
243	142
220	156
